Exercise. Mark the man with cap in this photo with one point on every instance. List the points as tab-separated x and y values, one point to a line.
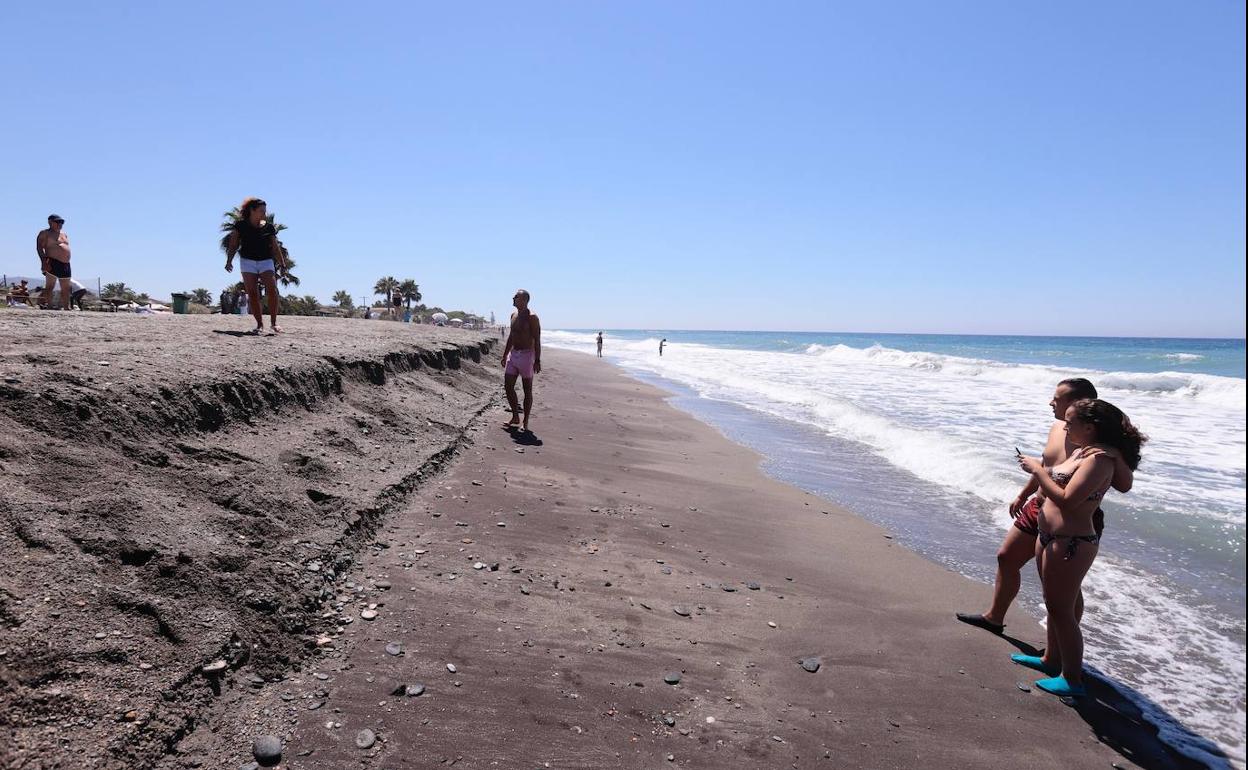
53	248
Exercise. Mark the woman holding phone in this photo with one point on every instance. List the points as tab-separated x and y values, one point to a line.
1068	539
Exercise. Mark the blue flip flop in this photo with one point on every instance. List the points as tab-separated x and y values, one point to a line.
1035	663
1060	687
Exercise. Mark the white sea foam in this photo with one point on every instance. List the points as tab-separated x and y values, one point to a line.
954	421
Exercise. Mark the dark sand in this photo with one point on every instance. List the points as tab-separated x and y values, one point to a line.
168	489
620	510
246	500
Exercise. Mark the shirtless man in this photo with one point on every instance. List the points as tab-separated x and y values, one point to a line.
52	246
522	357
1019	545
600	344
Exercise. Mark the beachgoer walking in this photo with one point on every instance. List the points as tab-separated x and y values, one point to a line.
600	344
522	357
52	246
255	239
1019	545
1068	537
662	342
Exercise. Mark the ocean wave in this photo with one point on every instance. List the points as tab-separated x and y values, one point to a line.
1184	357
1228	392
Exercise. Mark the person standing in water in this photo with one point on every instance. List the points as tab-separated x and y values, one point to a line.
600	344
522	357
255	238
662	342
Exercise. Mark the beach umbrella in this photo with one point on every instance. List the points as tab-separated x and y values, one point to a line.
439	319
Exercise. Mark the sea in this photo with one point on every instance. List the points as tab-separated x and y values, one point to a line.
917	433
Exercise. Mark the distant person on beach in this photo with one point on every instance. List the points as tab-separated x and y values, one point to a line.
1019	546
662	342
522	357
255	239
600	344
52	245
1069	535
20	294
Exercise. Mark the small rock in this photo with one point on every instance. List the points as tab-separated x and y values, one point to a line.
672	677
671	757
682	611
810	664
215	668
365	739
772	624
267	749
368	614
414	690
479	565
669	720
727	588
1023	686
394	648
451	667
321	676
753	585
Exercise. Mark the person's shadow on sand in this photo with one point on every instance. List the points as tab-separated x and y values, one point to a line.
523	437
1119	723
1110	710
229	333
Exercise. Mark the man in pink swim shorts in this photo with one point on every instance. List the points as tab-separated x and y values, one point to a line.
522	358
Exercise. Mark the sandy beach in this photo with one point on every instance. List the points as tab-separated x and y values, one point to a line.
348	520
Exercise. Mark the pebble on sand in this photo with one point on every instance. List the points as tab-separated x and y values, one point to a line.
394	648
451	667
365	739
672	677
682	611
368	614
267	749
810	664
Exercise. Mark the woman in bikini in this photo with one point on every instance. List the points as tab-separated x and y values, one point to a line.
1068	541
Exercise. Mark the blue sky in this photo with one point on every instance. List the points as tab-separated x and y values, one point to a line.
1042	168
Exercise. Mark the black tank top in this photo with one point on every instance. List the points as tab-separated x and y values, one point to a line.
255	242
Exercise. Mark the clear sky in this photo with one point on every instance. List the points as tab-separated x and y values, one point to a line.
979	167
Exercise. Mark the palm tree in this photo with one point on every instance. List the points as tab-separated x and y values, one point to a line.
143	299
228	226
410	291
201	296
118	290
343	299
385	287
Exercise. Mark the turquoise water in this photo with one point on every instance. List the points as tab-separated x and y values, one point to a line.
892	425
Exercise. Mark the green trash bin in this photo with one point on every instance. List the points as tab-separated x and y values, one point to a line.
181	303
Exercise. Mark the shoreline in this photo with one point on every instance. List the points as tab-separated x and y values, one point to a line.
621	510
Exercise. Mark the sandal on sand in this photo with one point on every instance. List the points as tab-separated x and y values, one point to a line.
979	621
1060	687
275	329
1035	663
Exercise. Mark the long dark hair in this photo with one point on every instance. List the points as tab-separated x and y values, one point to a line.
1112	427
249	205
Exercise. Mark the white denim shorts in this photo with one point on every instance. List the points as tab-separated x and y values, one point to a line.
256	266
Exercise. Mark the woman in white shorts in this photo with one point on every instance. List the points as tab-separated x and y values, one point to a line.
255	240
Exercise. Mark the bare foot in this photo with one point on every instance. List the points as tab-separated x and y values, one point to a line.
513	422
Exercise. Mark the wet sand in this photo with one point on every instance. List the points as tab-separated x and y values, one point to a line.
593	538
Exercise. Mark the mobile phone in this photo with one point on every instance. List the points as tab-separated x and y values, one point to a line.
1020	454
